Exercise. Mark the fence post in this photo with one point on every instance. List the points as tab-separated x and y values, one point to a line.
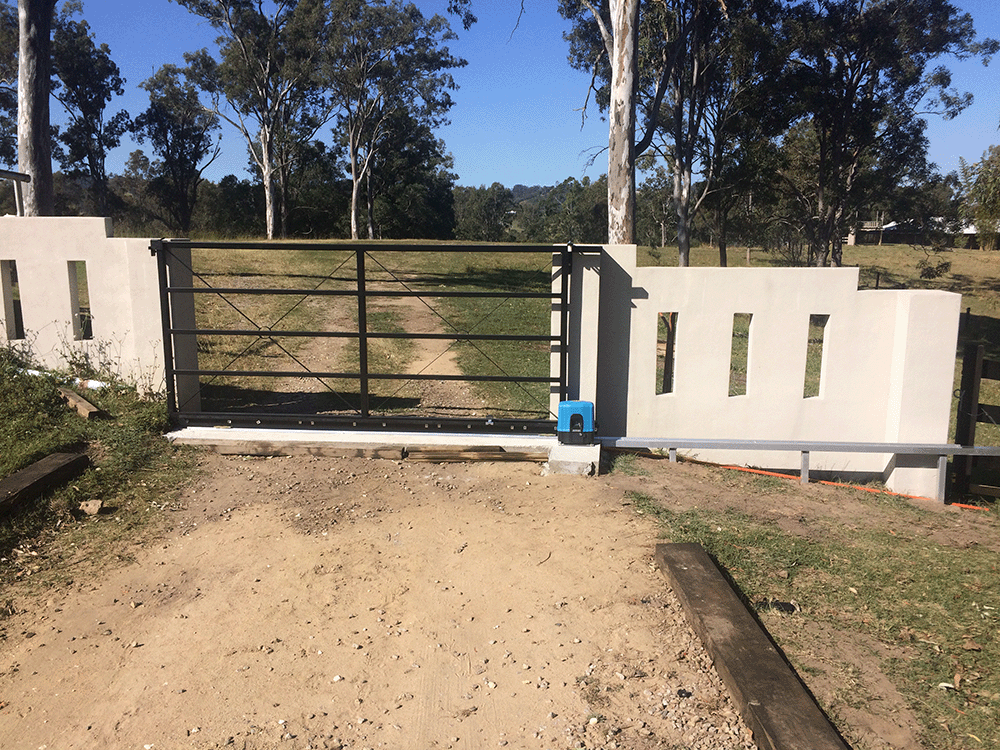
362	332
968	413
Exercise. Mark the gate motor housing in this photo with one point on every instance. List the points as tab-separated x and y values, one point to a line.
575	425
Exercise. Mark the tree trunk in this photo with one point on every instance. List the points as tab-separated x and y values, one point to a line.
370	201
355	187
283	202
682	202
621	130
34	146
267	176
723	242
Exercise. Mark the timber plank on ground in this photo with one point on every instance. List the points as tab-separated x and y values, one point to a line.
774	703
40	477
83	407
444	454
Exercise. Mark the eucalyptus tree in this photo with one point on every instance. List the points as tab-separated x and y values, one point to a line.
85	80
605	42
269	56
34	144
181	133
746	109
384	60
981	204
861	72
410	190
484	214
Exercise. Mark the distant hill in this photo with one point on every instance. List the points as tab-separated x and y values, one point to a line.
523	193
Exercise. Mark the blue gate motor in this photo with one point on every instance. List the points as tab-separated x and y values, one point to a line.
575	425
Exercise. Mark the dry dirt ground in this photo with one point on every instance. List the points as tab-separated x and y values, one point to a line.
310	602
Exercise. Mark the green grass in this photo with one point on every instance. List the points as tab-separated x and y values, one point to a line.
488	272
133	472
941	601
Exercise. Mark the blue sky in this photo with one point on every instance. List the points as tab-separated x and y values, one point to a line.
517	114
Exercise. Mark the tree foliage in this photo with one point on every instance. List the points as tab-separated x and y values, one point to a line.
180	131
85	80
862	81
483	214
384	60
572	211
8	84
411	188
981	183
265	72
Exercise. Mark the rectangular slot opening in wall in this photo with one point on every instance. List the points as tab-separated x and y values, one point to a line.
666	338
739	355
812	387
10	295
79	298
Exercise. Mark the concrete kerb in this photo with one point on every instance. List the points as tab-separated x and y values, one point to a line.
562	459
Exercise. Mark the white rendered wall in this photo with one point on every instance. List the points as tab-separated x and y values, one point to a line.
887	372
123	289
888	355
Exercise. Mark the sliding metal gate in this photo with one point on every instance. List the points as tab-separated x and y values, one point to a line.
314	335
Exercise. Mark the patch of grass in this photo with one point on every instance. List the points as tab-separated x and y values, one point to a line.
942	601
134	472
34	421
629	464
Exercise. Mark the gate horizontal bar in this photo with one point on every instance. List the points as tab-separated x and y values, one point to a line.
371	376
484	425
348	335
367	247
353	293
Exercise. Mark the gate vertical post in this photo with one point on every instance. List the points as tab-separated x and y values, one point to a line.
362	332
157	249
567	267
968	414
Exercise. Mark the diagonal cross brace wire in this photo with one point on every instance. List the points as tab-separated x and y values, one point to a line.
457	330
263	336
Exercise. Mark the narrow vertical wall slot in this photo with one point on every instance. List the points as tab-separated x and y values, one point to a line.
666	338
10	295
813	384
739	355
79	299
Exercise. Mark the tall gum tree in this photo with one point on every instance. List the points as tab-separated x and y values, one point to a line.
860	71
34	145
268	57
384	59
604	41
85	81
181	134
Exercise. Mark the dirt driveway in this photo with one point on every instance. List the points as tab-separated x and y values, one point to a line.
324	603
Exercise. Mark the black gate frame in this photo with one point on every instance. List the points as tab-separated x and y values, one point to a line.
163	250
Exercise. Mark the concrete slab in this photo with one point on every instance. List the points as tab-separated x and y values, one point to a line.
581	460
361	444
774	703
